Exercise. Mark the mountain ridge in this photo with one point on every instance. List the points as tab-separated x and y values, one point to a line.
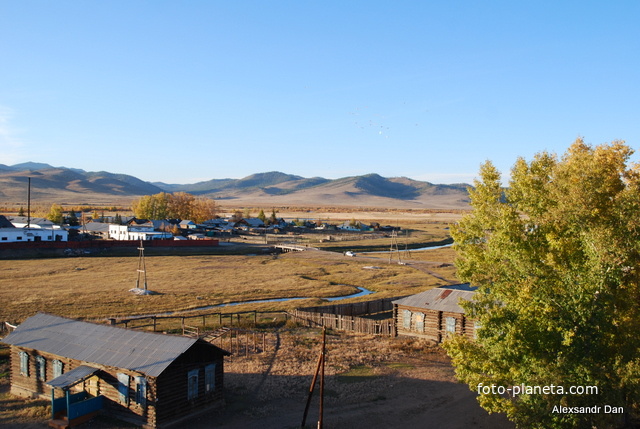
267	188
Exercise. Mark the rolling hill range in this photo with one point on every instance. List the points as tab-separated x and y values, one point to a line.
76	186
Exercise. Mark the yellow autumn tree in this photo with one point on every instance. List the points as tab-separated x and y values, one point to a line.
556	257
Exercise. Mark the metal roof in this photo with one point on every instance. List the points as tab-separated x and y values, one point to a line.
73	377
146	352
5	223
445	298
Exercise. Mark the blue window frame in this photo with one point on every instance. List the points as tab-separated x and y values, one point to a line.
41	368
451	324
420	322
24	364
406	319
192	386
141	391
210	378
58	368
123	388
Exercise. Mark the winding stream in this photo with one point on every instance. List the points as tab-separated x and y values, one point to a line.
362	292
410	250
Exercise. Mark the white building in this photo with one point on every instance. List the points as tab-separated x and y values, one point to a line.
9	233
136	231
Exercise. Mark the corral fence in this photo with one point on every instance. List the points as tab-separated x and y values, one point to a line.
242	342
230	331
349	317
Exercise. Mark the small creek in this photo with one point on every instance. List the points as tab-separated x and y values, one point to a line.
410	250
362	292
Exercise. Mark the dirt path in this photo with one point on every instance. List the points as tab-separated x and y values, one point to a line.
371	382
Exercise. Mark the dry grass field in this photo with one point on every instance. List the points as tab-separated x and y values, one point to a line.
370	381
98	287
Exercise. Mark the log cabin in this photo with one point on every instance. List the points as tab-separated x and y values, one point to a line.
434	314
150	379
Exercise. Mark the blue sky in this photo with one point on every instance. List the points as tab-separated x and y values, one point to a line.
188	91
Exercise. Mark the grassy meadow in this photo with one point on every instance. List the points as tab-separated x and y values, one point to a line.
98	287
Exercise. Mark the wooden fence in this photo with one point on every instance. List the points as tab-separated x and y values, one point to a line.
347	317
199	323
241	342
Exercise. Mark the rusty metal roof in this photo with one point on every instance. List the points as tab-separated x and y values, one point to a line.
146	352
445	298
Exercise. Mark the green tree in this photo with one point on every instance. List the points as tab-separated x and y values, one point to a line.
55	214
556	258
273	219
72	219
262	216
21	211
152	206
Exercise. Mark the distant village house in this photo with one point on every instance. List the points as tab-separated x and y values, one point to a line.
137	229
18	230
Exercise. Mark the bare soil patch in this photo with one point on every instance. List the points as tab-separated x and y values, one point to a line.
371	382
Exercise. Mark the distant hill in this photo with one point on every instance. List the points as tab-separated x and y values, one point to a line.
67	185
76	186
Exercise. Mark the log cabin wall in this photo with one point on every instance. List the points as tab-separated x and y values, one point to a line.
431	324
173	397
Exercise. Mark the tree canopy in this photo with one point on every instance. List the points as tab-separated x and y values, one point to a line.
179	205
55	214
556	258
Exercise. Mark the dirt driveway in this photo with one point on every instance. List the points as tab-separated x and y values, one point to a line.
371	382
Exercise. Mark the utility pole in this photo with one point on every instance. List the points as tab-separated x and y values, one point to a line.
142	270
29	204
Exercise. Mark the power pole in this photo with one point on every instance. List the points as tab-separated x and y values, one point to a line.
142	270
394	246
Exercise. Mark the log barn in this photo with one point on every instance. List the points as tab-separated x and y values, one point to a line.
435	313
150	379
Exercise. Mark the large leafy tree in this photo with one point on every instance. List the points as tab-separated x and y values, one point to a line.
179	205
55	214
152	206
556	257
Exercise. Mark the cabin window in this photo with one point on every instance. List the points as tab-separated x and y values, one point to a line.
420	322
210	378
24	364
58	367
123	388
451	324
41	369
406	319
192	392
141	391
4	238
18	238
476	327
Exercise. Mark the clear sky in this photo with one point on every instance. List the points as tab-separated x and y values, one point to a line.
184	91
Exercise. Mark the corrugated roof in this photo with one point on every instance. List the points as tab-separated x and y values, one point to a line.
5	223
147	352
445	298
73	377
